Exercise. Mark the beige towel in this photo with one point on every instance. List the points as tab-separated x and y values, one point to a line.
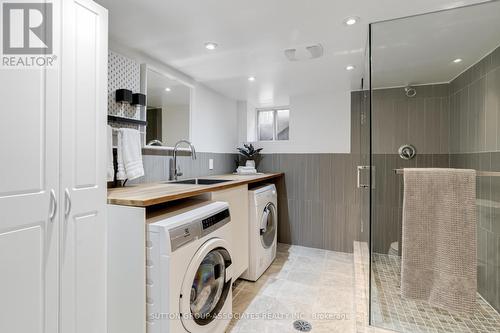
439	238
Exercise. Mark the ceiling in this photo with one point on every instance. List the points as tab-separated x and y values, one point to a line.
158	97
421	49
252	36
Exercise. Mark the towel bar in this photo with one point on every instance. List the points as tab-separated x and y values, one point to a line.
478	173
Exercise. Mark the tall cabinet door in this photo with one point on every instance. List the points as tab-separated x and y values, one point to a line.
83	182
29	172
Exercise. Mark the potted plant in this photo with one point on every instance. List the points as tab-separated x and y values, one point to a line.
249	155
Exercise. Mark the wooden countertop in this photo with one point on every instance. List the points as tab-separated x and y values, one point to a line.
144	195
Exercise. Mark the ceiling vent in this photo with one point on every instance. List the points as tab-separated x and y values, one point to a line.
304	53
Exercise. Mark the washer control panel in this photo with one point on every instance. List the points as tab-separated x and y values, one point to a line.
216	219
190	232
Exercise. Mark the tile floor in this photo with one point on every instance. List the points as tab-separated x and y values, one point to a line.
302	283
330	290
361	286
392	311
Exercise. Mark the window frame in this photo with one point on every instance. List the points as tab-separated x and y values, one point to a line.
275	122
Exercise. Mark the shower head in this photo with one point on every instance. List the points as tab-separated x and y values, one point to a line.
410	91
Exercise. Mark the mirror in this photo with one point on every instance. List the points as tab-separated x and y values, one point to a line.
168	109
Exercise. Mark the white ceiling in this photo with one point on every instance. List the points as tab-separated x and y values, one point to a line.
421	49
158	97
252	36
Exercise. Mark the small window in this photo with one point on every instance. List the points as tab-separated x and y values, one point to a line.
273	124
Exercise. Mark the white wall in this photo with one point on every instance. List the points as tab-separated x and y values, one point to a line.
242	122
247	130
319	123
214	125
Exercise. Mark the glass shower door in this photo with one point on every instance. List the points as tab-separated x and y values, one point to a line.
361	127
435	97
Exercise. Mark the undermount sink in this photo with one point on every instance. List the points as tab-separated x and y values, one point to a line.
200	181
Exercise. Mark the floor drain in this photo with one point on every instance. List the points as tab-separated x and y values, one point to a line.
302	326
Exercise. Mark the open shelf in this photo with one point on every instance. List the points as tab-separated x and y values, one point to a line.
127	120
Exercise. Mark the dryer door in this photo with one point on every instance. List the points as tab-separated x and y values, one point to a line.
268	226
206	287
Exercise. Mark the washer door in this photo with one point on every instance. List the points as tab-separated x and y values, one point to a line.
206	286
268	226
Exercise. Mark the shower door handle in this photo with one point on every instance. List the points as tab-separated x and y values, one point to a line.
363	168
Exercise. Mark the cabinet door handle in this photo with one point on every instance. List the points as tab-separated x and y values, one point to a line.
53	205
67	202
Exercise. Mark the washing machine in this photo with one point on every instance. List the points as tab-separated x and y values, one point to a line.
189	271
263	233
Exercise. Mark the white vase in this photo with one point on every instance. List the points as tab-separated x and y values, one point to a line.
250	163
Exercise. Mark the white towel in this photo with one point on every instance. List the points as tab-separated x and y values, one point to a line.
110	173
120	172
244	170
129	154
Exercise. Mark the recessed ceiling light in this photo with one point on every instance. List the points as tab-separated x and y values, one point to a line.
168	89
211	46
350	67
251	78
351	20
456	61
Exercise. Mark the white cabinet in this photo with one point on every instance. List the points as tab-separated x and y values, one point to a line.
83	163
237	198
52	181
29	186
126	269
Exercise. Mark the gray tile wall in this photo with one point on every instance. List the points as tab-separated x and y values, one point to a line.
475	107
488	229
387	209
421	120
156	167
318	200
475	144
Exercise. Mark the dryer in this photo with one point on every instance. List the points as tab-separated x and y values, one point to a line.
263	233
189	271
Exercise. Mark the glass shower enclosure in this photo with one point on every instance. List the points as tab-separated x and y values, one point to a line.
433	102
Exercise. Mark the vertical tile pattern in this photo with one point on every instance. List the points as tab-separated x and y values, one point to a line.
475	143
318	199
474	108
388	195
488	229
157	167
421	120
319	202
